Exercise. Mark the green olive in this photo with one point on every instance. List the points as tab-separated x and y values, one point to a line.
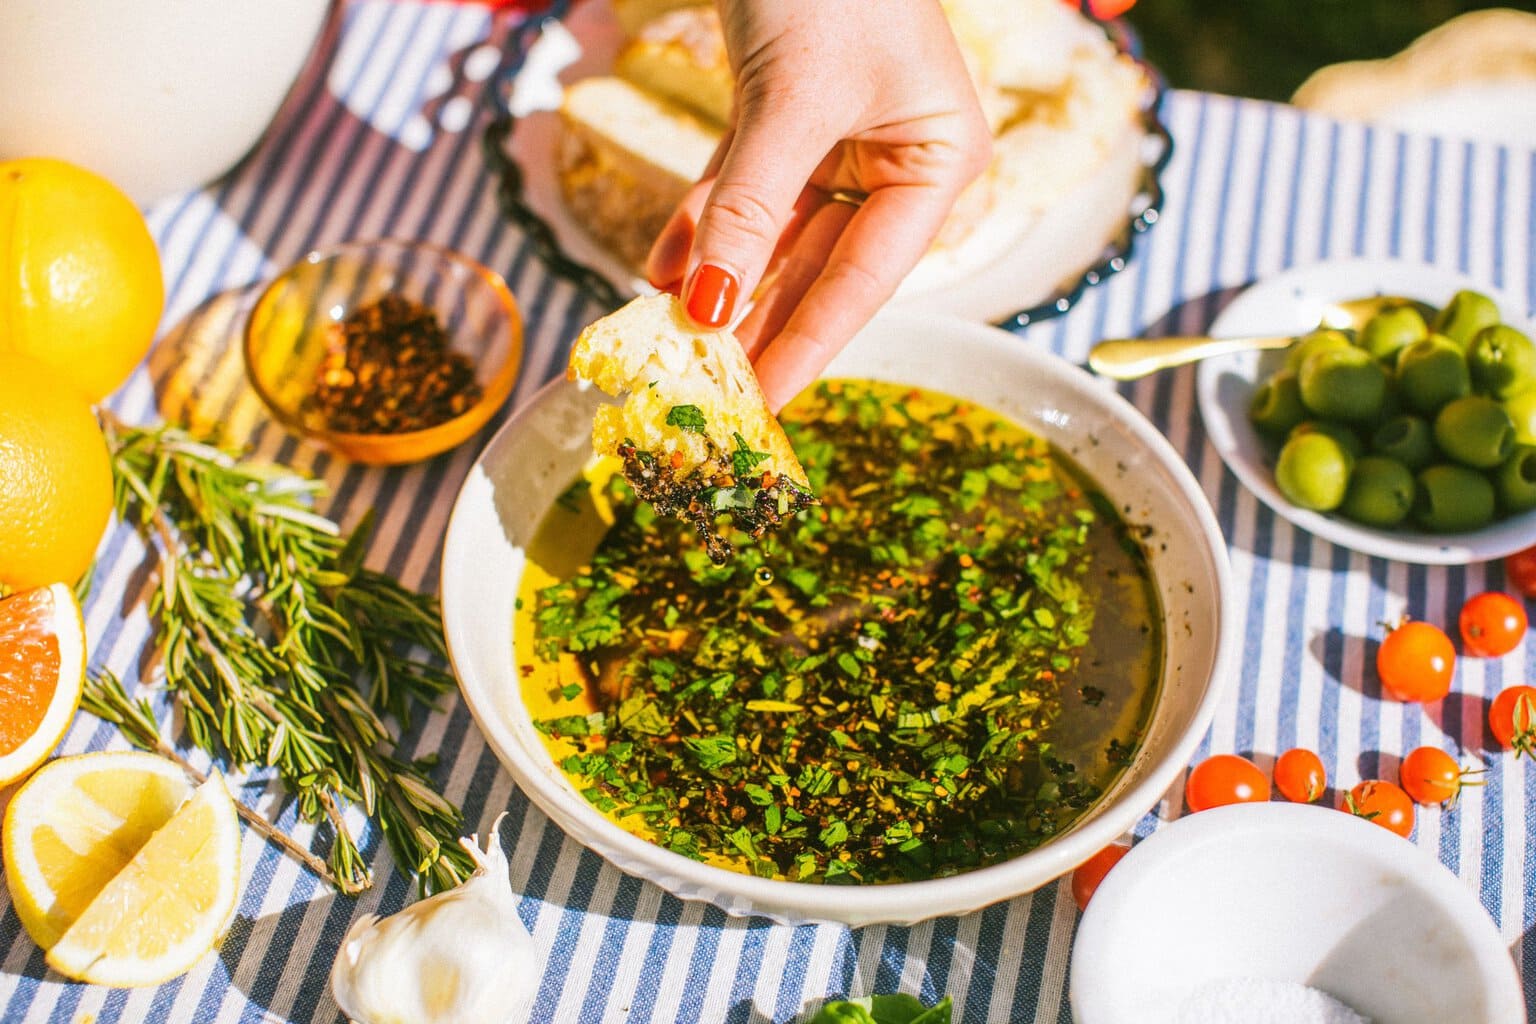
1467	313
1313	471
1345	435
1343	384
1475	431
1392	330
1392	403
1407	439
1452	499
1516	481
1502	361
1380	492
1432	372
1322	338
1522	409
1276	406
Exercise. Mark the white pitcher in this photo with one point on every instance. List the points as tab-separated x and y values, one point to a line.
157	95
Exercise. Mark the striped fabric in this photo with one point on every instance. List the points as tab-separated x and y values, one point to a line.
379	138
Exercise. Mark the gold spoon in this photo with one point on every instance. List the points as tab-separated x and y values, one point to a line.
1130	358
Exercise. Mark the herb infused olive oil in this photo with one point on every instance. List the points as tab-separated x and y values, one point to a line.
940	667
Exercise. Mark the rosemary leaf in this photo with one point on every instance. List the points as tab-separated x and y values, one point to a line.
282	650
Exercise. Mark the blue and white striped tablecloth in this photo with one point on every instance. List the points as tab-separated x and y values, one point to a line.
380	138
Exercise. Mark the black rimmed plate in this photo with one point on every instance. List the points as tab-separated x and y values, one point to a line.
1083	239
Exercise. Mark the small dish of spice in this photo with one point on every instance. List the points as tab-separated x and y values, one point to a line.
385	351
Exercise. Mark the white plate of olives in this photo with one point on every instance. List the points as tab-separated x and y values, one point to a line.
1411	437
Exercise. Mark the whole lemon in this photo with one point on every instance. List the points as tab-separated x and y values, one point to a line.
55	477
80	283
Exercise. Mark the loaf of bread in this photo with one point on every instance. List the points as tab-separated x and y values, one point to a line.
1076	110
694	431
1485	46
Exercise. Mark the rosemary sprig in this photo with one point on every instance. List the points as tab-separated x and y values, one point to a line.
268	623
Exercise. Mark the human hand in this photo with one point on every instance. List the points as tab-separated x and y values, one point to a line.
856	126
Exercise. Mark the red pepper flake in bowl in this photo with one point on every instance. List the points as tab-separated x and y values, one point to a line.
389	369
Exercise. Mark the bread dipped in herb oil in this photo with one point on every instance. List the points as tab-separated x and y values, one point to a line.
694	432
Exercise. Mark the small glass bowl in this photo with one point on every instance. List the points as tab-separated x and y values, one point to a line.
285	337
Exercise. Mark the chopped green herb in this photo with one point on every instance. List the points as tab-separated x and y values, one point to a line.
686	417
940	667
744	460
892	1009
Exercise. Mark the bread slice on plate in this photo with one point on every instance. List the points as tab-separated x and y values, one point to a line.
681	57
633	15
694	432
625	159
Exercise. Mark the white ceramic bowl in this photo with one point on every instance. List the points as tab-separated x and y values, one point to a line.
1291	302
539	451
1289	893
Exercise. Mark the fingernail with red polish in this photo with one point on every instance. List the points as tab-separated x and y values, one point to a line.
712	295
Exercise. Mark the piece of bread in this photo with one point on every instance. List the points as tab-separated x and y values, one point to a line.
1048	144
1495	45
694	431
681	57
625	159
633	15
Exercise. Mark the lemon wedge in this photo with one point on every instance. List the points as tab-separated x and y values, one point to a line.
168	905
75	824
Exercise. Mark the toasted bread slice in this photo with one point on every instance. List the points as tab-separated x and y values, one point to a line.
625	159
694	433
633	15
681	57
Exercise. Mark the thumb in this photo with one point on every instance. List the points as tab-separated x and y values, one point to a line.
764	170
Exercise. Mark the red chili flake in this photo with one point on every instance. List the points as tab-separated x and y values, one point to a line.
389	369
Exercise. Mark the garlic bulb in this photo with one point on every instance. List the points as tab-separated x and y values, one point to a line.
461	955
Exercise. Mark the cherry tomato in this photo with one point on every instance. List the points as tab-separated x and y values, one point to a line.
1513	719
1520	568
1415	662
1299	776
1431	776
1086	879
1225	779
1492	624
1106	9
1382	803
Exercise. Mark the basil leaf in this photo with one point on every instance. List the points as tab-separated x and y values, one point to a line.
686	417
744	460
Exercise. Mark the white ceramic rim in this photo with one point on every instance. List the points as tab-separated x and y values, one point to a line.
1303	289
1095	960
798	902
